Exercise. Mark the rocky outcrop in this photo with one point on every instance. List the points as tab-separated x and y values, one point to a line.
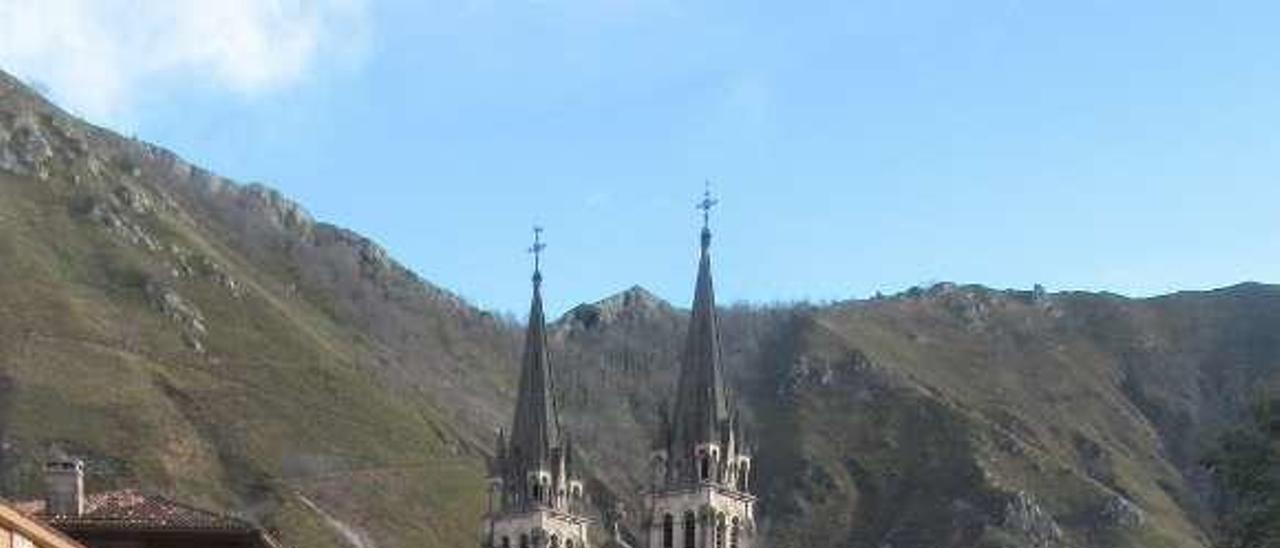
636	304
856	368
116	217
24	150
181	312
281	213
1024	516
1120	512
371	258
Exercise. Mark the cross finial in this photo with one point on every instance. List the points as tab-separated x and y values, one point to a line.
536	250
706	204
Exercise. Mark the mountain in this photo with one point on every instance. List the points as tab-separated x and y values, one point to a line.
959	415
208	339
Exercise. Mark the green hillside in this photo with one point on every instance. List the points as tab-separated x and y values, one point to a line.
188	335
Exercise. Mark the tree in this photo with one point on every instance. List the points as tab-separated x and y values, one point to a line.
1246	467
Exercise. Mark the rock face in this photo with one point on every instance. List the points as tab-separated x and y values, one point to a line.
633	305
180	311
279	212
1120	512
23	148
1023	515
263	362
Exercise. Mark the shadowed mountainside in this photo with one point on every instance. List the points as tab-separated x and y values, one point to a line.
210	340
960	416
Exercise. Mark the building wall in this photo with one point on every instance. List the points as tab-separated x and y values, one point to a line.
715	512
538	527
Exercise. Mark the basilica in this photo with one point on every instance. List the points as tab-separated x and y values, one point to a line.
699	493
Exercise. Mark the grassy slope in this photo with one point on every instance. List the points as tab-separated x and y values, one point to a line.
280	402
1028	396
94	368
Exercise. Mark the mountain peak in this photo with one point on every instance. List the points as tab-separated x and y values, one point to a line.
632	304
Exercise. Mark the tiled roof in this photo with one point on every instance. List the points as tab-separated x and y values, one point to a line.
129	509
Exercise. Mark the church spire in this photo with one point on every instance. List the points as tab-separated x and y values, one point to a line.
536	497
701	407
702	470
536	432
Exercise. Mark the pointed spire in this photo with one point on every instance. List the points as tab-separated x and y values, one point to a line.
701	404
537	427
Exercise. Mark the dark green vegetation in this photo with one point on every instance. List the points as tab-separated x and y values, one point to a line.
1247	467
211	341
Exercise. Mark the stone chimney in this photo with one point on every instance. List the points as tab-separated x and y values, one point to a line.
64	486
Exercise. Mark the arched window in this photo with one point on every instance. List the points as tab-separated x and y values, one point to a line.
720	531
668	531
568	543
506	542
742	478
733	534
690	530
555	541
704	467
524	541
537	492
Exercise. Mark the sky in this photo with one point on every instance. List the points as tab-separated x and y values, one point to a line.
855	146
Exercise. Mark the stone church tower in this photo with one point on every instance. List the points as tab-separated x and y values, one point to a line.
535	496
700	487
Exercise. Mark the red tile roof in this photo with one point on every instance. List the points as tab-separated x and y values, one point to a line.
129	509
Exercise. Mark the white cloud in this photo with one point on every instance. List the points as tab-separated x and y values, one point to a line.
95	56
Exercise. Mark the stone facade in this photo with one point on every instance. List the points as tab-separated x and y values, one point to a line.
537	528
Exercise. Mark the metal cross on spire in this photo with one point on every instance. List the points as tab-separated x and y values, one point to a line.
536	250
705	205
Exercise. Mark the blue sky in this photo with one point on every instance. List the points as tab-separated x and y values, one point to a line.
856	146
